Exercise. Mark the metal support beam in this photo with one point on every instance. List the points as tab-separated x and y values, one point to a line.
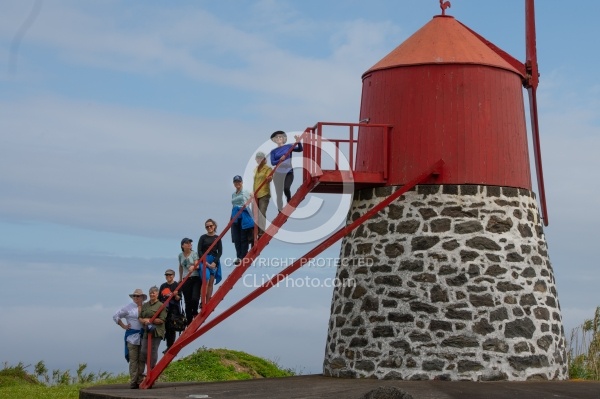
339	234
195	330
187	335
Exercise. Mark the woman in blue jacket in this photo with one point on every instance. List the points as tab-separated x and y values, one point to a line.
213	258
243	226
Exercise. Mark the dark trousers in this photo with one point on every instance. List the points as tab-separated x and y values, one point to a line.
174	309
283	184
240	238
169	334
191	296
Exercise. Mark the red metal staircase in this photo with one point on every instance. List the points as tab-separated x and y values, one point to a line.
315	179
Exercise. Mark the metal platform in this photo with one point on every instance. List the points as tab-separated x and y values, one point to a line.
317	386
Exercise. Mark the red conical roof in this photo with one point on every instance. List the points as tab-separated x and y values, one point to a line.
443	40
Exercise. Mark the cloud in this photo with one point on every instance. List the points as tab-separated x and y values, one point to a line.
70	158
106	167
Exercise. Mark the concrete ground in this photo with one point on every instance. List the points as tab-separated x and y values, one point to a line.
318	386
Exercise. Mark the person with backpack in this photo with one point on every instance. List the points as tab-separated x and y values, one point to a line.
173	307
191	288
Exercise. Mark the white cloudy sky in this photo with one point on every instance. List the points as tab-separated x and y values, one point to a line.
122	124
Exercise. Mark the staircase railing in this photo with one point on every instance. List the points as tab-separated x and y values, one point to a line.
313	141
434	169
208	306
314	146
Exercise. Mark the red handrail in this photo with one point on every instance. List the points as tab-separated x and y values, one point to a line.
228	284
312	169
225	230
202	259
340	233
314	142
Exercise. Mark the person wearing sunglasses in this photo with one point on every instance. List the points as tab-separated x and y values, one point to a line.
133	329
213	258
174	305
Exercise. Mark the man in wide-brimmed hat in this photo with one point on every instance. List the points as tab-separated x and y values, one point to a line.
133	330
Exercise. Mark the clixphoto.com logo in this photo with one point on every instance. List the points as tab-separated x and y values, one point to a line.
317	215
275	280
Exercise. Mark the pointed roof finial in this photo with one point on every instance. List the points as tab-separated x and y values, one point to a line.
444	5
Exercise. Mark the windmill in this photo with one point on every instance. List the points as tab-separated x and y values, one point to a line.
459	284
444	215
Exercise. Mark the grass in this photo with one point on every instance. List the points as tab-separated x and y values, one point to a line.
221	365
203	365
16	382
584	350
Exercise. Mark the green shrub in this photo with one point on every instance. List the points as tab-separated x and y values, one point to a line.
221	365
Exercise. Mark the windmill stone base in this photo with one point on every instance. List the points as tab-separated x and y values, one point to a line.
450	282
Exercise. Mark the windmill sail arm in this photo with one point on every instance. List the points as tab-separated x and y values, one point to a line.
531	65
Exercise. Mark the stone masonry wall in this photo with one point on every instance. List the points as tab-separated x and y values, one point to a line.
449	282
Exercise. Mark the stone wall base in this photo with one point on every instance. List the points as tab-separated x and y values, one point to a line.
449	282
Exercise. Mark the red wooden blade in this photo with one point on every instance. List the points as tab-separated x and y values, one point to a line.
531	64
537	154
531	83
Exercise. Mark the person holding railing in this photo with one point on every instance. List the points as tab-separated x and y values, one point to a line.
191	287
156	328
243	224
262	179
213	258
284	174
174	307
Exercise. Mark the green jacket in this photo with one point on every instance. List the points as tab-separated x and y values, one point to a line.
148	311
